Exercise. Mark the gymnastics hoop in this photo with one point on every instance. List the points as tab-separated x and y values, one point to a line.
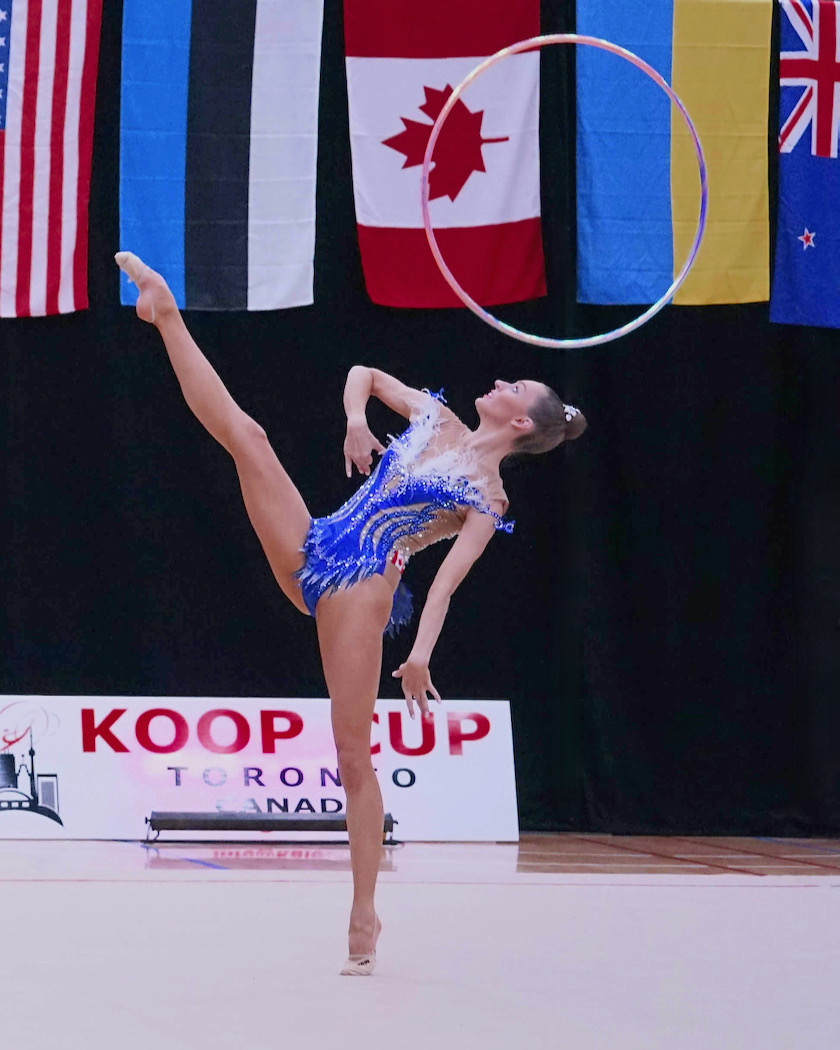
516	333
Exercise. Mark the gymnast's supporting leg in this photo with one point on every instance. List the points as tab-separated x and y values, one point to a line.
350	625
275	507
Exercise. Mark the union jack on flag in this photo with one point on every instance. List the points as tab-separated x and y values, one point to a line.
814	67
806	279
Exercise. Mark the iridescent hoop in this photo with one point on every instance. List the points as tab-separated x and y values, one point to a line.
516	333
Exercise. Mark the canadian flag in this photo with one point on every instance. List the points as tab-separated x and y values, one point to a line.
403	61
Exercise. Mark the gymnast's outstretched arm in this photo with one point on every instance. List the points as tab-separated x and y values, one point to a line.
476	533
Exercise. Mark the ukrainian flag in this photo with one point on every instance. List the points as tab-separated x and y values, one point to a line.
638	188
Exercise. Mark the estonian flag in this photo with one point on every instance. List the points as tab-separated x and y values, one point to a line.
218	145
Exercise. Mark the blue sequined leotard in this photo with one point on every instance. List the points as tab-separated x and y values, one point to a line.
419	493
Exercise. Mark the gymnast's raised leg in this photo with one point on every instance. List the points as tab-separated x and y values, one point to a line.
275	507
350	623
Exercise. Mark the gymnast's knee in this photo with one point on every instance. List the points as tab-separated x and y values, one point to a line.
354	766
247	440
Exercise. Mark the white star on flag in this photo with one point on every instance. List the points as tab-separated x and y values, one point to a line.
807	239
3	15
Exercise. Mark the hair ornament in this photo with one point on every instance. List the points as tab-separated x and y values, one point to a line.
571	412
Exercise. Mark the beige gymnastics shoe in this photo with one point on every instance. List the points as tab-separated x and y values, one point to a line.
150	283
359	965
363	965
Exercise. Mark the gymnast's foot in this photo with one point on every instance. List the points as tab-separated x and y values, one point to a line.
363	937
155	298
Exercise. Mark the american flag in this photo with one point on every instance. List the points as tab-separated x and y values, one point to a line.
48	59
814	67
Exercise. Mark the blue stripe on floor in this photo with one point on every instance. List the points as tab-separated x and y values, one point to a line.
204	863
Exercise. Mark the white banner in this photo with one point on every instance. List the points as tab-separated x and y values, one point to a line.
96	767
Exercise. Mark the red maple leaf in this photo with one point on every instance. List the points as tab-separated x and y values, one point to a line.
458	148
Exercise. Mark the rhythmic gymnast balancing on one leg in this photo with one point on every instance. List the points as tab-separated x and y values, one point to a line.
438	479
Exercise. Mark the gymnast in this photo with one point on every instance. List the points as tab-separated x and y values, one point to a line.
438	479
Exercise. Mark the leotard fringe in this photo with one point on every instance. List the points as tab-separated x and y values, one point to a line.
399	499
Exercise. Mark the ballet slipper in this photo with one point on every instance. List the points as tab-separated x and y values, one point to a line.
135	270
359	965
363	965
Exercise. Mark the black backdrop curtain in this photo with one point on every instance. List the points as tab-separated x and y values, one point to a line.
664	619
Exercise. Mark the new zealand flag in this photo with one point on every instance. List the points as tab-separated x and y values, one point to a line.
806	282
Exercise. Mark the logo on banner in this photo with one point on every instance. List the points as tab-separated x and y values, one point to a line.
20	723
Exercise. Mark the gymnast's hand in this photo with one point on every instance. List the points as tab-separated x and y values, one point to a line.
359	446
416	682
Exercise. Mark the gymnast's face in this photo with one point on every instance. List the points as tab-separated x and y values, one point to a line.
509	401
